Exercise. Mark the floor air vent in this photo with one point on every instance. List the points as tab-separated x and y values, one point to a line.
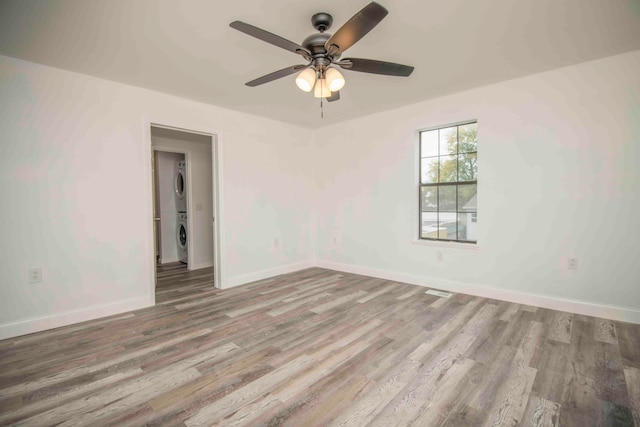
438	293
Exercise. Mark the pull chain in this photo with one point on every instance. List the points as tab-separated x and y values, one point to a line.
321	110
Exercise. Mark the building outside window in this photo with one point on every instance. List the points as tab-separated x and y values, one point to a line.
449	183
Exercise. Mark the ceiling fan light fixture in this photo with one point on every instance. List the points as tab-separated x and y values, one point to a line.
306	79
322	89
335	79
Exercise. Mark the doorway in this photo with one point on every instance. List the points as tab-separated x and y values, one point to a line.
185	201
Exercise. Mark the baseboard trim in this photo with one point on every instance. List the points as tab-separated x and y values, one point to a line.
168	260
623	314
37	324
265	274
201	265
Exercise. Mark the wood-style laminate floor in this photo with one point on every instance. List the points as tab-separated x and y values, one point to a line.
318	347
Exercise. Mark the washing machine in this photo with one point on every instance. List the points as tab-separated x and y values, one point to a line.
181	237
180	186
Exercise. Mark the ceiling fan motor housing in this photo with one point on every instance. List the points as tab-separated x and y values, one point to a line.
315	44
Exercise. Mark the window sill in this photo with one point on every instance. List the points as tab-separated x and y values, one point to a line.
456	245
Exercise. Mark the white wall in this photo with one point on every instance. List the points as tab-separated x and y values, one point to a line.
168	214
562	147
89	226
199	186
558	177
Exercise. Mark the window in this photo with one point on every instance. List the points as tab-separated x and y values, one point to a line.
449	183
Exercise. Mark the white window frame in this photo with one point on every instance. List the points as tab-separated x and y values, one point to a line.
467	244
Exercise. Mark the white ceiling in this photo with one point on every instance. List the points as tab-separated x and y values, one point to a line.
186	47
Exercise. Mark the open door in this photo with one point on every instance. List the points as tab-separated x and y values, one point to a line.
156	208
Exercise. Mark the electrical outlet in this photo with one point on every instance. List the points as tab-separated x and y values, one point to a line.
35	275
438	256
572	263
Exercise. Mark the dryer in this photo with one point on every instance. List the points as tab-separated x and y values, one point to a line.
180	186
181	237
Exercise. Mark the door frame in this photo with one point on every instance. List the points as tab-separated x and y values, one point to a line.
217	196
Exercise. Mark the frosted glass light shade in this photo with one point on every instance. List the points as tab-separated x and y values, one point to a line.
306	79
335	79
322	89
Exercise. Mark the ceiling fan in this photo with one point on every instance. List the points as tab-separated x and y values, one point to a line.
322	51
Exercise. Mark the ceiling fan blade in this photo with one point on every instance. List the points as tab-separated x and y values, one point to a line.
269	38
275	75
334	96
376	67
356	27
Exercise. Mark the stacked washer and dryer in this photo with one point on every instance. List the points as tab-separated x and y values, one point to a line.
180	190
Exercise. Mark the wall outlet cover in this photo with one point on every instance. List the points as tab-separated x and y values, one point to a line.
35	275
